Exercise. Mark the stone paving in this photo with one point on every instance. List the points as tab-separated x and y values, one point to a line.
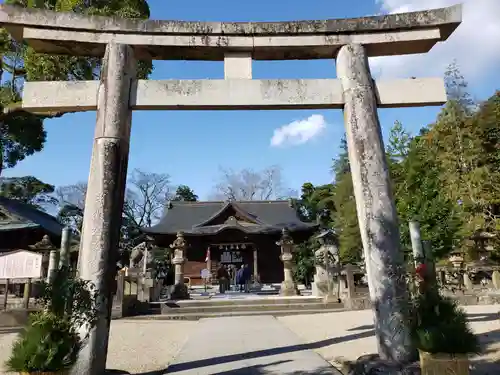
149	347
246	345
349	335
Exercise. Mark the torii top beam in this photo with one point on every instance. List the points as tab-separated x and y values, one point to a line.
79	35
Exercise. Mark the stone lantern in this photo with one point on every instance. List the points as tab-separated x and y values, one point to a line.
327	262
456	258
46	247
288	287
179	246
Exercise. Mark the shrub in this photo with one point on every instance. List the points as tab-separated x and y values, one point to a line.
70	297
48	343
439	325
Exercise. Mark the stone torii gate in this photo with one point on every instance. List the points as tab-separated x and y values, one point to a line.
118	93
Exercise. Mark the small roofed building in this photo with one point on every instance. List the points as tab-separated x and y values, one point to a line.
232	233
24	227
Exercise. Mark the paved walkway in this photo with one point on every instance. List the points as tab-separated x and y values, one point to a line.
246	346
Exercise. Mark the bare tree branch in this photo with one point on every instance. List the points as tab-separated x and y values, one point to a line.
248	184
72	204
146	197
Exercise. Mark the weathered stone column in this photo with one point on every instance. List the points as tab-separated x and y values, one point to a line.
468	285
375	205
349	277
416	242
180	290
495	279
27	294
105	194
65	247
255	266
6	294
53	263
288	287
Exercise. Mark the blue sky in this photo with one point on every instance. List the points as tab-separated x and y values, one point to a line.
192	146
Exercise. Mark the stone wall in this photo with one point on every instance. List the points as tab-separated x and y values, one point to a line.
362	302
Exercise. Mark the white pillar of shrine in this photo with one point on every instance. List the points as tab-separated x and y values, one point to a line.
64	255
376	211
53	260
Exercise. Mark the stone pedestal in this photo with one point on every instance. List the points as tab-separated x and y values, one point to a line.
180	290
324	284
288	286
495	279
324	287
350	286
468	285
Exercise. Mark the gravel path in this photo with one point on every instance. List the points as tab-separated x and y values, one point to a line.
350	334
134	346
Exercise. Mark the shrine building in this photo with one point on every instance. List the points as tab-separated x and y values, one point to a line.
231	232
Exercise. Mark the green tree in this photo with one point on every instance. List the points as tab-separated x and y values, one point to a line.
304	260
315	205
28	190
21	133
346	220
399	143
420	196
463	140
185	193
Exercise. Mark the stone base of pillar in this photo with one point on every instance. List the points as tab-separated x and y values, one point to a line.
180	291
495	279
322	288
348	303
331	298
288	288
468	285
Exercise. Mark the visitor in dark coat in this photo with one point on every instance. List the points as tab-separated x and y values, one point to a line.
240	278
222	276
248	276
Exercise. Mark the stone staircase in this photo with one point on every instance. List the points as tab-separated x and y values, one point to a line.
239	306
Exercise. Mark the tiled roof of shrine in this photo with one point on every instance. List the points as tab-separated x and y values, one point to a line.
206	218
15	215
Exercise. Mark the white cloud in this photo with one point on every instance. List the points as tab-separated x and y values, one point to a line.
299	132
475	44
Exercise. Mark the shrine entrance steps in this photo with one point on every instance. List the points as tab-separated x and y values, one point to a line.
244	306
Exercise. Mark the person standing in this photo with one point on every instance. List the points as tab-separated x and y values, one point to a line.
240	278
222	277
247	276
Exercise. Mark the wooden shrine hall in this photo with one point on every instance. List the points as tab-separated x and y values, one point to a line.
235	233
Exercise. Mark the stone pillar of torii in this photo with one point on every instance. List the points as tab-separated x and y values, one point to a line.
350	41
